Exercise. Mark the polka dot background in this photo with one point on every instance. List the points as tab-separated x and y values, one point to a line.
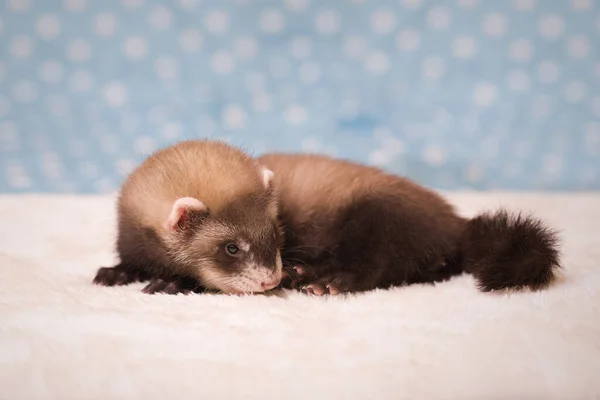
455	94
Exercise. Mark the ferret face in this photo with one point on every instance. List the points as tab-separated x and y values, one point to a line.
237	258
235	250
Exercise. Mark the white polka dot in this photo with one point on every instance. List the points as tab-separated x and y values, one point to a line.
524	5
261	102
123	166
160	18
574	91
295	115
25	92
234	116
581	5
327	22
81	81
300	47
18	5
390	143
222	62
171	130
354	46
217	21
520	50
21	46
75	5
5	106
48	26
411	4
467	3
189	4
595	107
132	3
474	173
380	157
541	106
434	155
439	18
115	94
145	145
190	40
309	72
51	71
58	106
271	21
408	40
518	81
548	71
296	5
464	47
135	47
592	131
494	24
578	46
485	94
79	50
433	68
255	82
17	176
166	68
349	107
105	24
245	47
9	136
311	144
383	22
551	26
377	63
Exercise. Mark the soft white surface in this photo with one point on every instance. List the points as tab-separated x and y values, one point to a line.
62	337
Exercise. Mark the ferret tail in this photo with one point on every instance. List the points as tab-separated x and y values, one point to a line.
506	251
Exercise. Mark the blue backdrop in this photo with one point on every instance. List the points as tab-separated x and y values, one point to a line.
460	93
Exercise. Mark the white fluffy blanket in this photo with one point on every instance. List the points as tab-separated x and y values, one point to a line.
63	338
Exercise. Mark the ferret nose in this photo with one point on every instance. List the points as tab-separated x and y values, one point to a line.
271	284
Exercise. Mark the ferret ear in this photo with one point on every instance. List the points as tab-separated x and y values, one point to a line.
267	177
183	210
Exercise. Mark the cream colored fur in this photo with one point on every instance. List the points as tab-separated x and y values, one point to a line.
63	338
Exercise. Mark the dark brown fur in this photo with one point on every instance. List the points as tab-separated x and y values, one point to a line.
350	227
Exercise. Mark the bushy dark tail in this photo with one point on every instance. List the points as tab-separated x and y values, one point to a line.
505	251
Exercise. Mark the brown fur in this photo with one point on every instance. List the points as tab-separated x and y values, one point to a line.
350	227
240	209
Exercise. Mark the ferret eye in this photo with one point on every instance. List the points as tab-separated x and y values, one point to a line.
232	249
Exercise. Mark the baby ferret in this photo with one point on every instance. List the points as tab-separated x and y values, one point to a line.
197	215
351	227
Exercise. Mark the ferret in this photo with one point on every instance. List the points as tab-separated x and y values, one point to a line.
197	215
350	227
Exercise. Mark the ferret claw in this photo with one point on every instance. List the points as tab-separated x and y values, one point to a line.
300	271
332	289
314	289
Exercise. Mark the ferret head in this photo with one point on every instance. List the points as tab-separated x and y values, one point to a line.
234	249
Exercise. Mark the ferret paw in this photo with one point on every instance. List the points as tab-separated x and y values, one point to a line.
175	286
294	276
111	276
332	284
